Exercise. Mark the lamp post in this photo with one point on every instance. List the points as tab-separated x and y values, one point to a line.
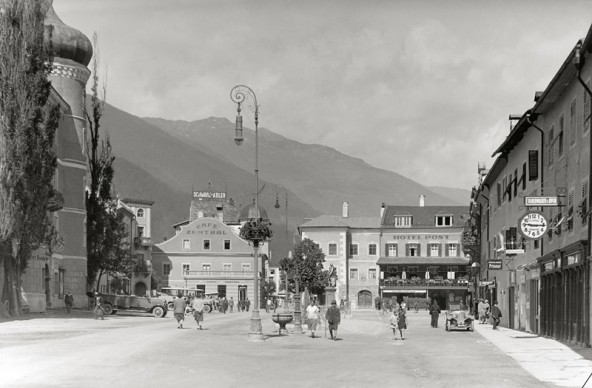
476	272
238	94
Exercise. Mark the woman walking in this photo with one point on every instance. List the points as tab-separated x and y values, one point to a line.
198	309
312	317
402	318
435	313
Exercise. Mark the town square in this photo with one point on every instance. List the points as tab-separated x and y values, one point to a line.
322	193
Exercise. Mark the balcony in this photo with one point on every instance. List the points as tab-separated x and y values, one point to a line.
55	201
394	284
142	242
192	275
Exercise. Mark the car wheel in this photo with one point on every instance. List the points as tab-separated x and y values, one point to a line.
447	327
472	327
170	306
108	309
158	312
207	308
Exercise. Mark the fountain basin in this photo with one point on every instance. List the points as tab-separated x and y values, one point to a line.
282	319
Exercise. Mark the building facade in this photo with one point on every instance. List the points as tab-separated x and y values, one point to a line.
542	280
207	252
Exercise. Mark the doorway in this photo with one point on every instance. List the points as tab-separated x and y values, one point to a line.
364	299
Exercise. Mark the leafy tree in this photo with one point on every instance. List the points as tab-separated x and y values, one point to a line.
268	289
306	266
106	251
27	157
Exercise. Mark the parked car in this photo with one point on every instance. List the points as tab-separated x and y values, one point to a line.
459	318
154	306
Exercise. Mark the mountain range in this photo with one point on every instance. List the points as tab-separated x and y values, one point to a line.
166	160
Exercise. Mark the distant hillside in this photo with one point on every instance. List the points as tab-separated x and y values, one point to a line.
319	175
460	196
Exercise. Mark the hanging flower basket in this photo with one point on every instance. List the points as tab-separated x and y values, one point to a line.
256	231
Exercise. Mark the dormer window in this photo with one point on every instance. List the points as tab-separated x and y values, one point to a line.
140	213
403	221
443	220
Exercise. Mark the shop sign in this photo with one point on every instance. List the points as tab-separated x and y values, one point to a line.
494	264
207	194
485	283
541	201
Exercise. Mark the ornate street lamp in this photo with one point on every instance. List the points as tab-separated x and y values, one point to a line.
238	94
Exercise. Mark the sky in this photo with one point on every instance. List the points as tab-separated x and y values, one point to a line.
423	88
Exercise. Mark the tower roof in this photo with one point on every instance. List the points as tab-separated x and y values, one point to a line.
67	42
250	212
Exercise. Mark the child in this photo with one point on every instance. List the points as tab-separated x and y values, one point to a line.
394	323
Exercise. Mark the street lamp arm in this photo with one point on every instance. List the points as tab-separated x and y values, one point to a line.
240	93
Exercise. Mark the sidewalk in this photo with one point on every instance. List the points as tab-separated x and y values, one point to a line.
546	359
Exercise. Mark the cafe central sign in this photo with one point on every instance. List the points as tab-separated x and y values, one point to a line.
206	228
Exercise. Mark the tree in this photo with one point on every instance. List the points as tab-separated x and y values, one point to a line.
306	266
27	157
268	289
106	251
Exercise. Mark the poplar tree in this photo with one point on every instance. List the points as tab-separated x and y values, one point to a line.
27	157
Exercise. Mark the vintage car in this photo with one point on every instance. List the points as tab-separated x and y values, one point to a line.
459	318
169	294
154	306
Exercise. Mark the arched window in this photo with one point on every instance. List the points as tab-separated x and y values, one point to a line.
140	213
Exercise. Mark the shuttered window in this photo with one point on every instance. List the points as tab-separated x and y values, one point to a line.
572	123
586	113
551	145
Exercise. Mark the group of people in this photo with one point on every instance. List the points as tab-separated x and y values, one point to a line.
485	311
398	319
197	307
332	316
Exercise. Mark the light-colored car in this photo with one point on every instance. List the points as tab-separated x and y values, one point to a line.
458	318
154	306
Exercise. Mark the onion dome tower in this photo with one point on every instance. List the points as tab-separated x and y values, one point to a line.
72	53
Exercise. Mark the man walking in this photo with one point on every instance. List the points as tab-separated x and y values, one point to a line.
333	317
179	309
231	304
435	313
312	317
69	300
198	309
496	314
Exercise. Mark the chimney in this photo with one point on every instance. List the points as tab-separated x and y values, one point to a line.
422	200
382	209
220	211
345	210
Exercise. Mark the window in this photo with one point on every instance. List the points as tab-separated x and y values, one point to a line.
403	221
524	175
186	244
570	209
227	267
509	189
186	268
372	249
572	123
140	213
584	206
560	143
353	273
391	250
206	245
499	194
443	220
206	267
246	267
166	269
226	245
434	250
332	249
453	250
551	145
533	166
452	269
372	273
505	188
515	183
412	250
140	231
353	249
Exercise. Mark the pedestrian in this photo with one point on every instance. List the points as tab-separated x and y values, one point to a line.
224	304
98	310
312	317
481	311
247	304
487	311
231	304
69	301
240	306
267	305
496	314
435	313
198	309
394	323
402	315
179	309
333	318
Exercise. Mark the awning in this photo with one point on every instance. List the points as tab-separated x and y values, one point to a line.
405	291
423	261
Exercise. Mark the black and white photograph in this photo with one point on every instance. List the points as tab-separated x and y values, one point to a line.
295	193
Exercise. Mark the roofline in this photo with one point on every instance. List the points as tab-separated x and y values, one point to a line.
138	201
